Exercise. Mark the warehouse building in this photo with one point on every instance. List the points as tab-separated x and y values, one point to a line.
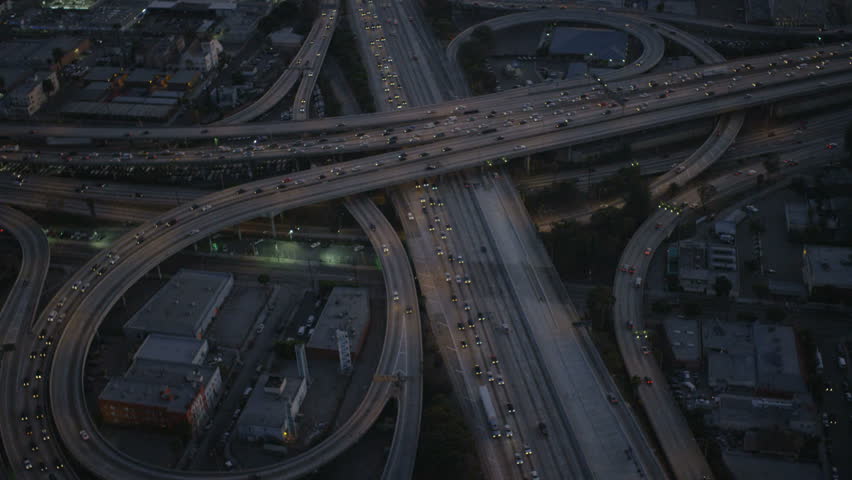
270	413
173	349
827	268
162	395
185	306
347	309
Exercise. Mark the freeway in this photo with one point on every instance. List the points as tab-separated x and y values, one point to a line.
230	207
401	290
577	106
507	99
20	308
313	61
308	59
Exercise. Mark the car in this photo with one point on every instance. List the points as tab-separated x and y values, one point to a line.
460	325
26	382
42	334
39	414
477	370
648	251
510	408
84	435
28	430
38	375
409	310
648	380
395	296
36	395
33	447
33	355
520	147
612	398
471	323
43	353
464	344
28	465
58	464
45	435
519	459
467	281
466	307
454	298
527	450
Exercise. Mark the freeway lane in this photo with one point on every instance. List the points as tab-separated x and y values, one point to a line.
312	52
20	307
401	294
530	95
313	61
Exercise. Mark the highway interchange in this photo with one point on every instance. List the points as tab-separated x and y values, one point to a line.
84	310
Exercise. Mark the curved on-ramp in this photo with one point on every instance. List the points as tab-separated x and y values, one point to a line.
653	46
21	305
399	282
308	52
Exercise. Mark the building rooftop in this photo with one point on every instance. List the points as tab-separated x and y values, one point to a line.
744	465
180	307
724	227
170	348
683	338
778	367
725	370
159	384
126	111
730	337
347	308
266	406
598	43
746	412
692	261
828	266
796	214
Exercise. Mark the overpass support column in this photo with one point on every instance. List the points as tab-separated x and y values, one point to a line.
159	273
239	233
272	222
528	164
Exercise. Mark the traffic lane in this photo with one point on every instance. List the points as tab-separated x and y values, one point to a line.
300	127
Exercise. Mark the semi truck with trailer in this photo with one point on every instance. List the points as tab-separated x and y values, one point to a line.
490	413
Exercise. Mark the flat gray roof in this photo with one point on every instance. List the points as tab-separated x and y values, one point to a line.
744	465
160	384
182	305
270	409
778	367
745	412
730	370
828	266
170	348
347	308
683	335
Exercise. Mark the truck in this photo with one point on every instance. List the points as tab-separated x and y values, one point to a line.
819	364
638	282
490	413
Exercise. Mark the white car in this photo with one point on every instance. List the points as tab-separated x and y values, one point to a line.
520	147
84	435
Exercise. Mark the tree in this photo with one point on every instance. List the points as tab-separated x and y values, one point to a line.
705	193
57	54
722	286
47	86
599	302
691	309
263	279
775	314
